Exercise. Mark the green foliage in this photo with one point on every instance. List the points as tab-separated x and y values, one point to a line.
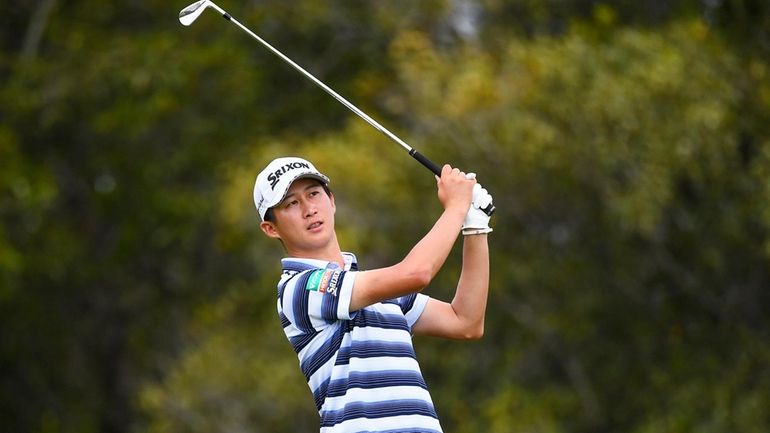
626	145
629	211
241	377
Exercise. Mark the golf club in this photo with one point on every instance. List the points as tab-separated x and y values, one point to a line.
189	14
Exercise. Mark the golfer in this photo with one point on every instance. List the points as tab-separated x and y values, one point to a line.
352	329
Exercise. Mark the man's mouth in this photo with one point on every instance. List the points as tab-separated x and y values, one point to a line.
315	225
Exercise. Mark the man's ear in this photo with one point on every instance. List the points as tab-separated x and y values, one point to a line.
331	197
270	229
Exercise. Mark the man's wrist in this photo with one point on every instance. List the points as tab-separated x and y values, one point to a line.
456	211
476	231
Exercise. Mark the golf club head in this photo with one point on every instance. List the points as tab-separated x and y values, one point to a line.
189	14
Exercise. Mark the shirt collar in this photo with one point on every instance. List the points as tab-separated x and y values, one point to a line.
300	264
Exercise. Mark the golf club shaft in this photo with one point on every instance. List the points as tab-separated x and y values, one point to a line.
417	155
422	159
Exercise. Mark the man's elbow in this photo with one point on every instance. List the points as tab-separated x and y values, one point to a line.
418	278
474	332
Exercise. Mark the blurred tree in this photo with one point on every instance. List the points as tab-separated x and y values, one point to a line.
625	143
631	236
633	242
117	128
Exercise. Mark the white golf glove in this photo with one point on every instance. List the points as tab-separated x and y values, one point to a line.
476	221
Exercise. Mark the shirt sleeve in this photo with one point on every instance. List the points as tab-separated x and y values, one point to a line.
412	306
316	298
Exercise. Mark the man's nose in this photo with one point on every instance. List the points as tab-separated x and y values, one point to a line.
309	209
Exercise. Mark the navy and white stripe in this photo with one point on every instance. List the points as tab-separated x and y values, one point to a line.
360	366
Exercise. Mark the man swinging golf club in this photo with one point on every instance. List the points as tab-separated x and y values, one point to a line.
352	329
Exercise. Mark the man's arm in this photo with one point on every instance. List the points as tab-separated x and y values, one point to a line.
463	318
426	258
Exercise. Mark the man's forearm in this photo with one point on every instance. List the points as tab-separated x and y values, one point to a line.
432	250
470	300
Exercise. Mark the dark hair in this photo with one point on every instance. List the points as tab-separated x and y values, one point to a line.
270	216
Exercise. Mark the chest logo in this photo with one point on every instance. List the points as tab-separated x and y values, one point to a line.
324	281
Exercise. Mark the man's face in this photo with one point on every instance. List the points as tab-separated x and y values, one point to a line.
304	219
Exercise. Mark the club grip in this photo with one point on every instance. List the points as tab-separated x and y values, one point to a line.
426	162
489	210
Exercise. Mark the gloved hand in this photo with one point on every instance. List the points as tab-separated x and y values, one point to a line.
476	221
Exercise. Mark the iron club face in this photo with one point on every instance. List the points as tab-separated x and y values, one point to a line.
189	14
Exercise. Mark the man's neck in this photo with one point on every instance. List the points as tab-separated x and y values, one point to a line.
331	253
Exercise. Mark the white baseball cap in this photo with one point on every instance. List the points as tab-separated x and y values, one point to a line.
274	181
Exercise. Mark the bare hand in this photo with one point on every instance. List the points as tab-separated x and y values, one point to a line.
455	190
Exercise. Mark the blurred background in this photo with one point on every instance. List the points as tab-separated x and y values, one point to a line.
627	145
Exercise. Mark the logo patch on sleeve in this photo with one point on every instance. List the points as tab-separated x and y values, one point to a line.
324	281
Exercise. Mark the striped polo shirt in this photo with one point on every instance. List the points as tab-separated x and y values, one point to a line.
360	365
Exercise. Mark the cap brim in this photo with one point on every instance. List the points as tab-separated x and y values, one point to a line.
317	176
